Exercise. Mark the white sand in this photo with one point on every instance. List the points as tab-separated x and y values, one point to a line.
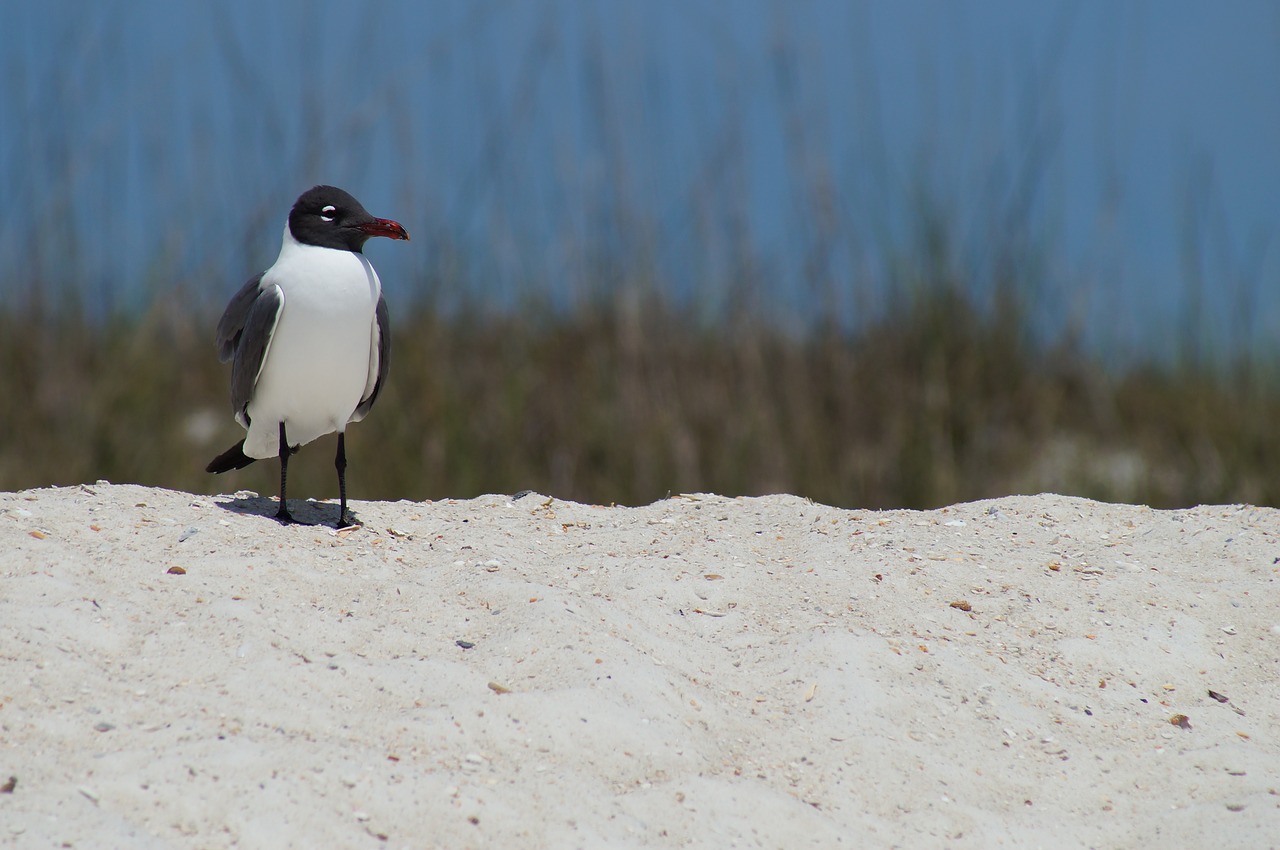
703	671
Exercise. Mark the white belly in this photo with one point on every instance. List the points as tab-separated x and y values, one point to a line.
317	366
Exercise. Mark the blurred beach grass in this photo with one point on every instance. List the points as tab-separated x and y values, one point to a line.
932	404
920	371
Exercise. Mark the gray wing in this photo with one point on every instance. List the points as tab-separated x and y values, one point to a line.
251	343
233	318
382	351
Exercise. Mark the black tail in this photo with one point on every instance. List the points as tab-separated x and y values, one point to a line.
232	458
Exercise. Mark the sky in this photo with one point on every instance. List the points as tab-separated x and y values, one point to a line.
1125	151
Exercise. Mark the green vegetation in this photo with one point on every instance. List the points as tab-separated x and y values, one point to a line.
936	402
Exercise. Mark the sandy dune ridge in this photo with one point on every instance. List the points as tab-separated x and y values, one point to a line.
180	671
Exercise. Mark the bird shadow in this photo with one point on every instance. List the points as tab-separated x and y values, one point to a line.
307	512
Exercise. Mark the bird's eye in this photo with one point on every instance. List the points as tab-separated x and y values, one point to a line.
328	213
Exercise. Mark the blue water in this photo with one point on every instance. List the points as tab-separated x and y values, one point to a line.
1123	156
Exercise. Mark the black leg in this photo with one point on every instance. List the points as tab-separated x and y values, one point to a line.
283	514
340	463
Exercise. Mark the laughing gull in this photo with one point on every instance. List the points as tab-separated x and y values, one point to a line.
308	338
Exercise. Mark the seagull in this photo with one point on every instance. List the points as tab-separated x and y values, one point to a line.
309	338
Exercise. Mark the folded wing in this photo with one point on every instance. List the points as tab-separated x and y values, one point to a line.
244	336
379	360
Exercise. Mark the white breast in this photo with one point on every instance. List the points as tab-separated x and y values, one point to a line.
317	366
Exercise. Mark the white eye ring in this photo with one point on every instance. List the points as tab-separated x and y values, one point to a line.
327	213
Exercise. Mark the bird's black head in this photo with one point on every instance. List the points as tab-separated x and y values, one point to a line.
328	217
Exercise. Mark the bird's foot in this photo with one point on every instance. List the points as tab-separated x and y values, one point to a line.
347	520
283	516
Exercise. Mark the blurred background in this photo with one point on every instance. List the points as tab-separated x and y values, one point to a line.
879	254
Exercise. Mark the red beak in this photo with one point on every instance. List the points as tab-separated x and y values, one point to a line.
385	227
